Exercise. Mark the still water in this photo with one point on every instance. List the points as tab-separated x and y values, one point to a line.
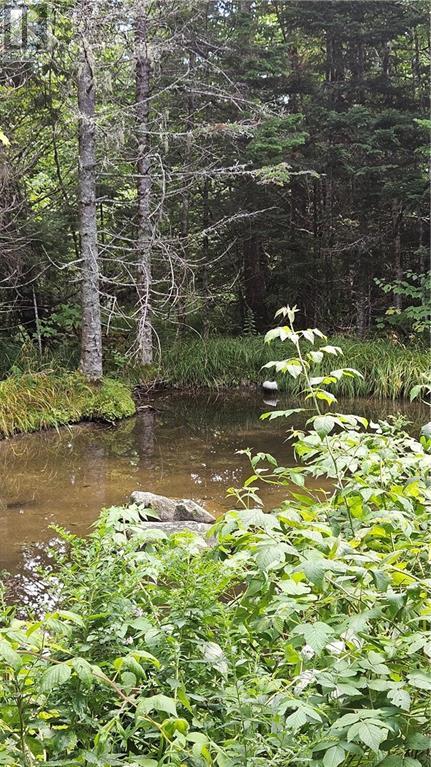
178	445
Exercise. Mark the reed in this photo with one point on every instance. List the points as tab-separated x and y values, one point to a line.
35	401
390	370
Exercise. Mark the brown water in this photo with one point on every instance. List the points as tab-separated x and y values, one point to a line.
181	446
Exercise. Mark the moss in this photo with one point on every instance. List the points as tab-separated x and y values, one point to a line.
36	401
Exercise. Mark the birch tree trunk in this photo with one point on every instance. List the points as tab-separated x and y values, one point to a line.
143	167
91	335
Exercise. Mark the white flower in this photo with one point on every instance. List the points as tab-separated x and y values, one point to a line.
307	652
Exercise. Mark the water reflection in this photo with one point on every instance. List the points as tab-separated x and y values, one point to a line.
179	445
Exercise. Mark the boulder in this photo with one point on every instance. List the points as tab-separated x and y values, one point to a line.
170	510
164	507
176	527
188	510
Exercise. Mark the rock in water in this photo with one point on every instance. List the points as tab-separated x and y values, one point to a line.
188	510
164	507
200	528
170	510
270	385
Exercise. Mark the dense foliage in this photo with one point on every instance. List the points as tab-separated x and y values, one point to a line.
301	637
284	146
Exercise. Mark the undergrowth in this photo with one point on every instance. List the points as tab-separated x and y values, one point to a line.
44	400
299	639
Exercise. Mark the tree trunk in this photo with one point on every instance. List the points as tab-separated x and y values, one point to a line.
255	282
143	167
397	214
182	295
91	336
205	259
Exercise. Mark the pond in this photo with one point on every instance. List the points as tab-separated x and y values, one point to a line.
180	445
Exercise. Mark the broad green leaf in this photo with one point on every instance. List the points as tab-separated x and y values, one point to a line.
315	634
400	698
54	676
296	720
316	357
156	703
420	679
323	424
4	139
417	741
331	349
372	735
83	669
334	756
8	654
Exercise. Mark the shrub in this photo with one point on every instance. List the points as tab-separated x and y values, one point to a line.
300	638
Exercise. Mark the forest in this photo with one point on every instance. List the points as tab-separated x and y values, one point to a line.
182	170
215	439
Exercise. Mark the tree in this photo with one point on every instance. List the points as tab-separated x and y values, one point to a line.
91	338
143	169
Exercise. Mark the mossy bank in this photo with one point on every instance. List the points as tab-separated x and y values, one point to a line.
35	401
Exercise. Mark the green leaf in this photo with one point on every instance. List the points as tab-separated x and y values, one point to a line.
415	391
9	655
156	703
296	720
4	139
83	669
323	424
54	676
417	741
331	349
315	634
268	557
420	679
316	357
400	698
372	735
309	335
334	756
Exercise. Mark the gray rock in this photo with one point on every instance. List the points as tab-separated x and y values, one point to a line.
165	507
176	527
186	509
169	510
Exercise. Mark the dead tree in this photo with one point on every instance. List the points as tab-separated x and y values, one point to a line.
143	167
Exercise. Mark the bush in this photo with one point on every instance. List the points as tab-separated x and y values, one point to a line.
300	638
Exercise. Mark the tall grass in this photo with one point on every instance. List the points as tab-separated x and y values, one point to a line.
389	370
36	401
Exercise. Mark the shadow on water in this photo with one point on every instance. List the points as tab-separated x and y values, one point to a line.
182	445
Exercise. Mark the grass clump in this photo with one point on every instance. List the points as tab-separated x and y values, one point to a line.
390	370
35	401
